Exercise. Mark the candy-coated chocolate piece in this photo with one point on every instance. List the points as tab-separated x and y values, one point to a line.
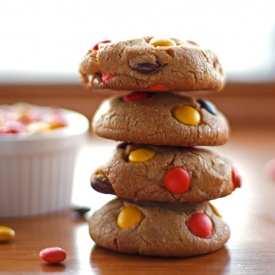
177	180
106	77
236	179
141	155
13	127
208	106
81	210
96	46
24	118
215	210
129	216
135	96
39	127
157	41
159	88
187	115
192	42
200	225
53	255
6	233
146	68
101	185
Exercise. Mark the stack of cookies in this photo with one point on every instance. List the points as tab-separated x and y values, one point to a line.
160	172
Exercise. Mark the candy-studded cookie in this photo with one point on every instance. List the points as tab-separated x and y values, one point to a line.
151	64
167	174
159	229
161	119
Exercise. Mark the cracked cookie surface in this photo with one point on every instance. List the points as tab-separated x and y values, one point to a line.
149	64
161	119
167	174
163	229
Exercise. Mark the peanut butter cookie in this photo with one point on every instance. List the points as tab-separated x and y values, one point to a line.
167	174
151	64
161	119
159	229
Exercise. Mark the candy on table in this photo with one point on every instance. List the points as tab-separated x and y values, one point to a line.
52	255
200	225
129	216
6	233
81	210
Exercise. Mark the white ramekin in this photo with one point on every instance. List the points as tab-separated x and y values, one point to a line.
37	171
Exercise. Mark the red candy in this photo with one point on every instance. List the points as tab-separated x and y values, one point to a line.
177	180
53	255
106	77
95	47
12	127
237	183
192	42
200	225
158	88
135	96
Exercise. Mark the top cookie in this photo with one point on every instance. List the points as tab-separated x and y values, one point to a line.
151	64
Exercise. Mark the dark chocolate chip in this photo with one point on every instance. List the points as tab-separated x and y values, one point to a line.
207	105
102	185
146	68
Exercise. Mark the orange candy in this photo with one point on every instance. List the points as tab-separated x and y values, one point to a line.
6	233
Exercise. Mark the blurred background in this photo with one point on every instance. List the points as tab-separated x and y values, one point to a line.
43	41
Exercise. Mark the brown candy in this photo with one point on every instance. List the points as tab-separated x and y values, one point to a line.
102	185
146	68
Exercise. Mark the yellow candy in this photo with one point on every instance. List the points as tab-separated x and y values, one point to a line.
38	127
214	210
6	233
187	115
141	155
162	42
129	216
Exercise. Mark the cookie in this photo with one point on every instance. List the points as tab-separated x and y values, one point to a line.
151	64
159	229
167	174
161	119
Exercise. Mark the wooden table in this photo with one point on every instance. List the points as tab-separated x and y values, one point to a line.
250	212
